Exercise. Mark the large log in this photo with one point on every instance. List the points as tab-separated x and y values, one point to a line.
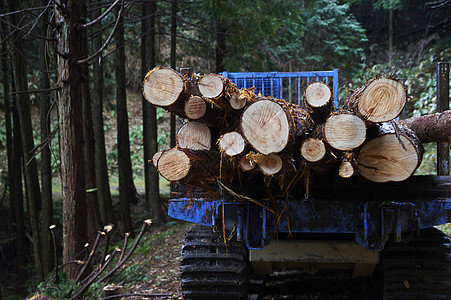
167	88
380	100
431	128
196	167
392	155
271	125
194	135
343	130
318	101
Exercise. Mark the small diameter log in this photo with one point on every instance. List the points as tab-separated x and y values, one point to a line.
194	135
342	130
348	165
318	101
271	126
191	166
167	88
431	128
270	164
239	100
232	143
313	150
198	109
246	164
155	158
211	86
393	155
380	100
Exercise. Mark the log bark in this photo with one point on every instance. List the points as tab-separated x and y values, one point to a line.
343	130
431	128
392	155
232	143
194	135
201	110
318	101
313	150
197	167
272	126
380	100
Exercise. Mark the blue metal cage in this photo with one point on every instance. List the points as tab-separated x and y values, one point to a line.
284	85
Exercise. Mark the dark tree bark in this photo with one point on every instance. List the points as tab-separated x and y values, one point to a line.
46	168
71	137
431	128
103	185
149	114
127	191
30	169
220	45
93	213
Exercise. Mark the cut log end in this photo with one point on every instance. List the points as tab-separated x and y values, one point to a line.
174	165
211	86
232	143
238	100
155	158
346	169
382	100
246	164
266	127
385	158
270	164
313	150
195	107
163	86
317	94
344	131
194	135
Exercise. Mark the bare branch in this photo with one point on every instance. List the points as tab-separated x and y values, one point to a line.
93	22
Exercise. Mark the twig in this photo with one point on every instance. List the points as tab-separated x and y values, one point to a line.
135	244
106	232
139	295
36	91
99	18
88	261
54	252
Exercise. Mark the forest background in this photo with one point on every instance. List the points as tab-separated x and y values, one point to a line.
76	135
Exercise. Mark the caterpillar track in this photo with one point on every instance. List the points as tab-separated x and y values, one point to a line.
420	269
210	269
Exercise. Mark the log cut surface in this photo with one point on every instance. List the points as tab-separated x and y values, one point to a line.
232	143
313	149
317	94
265	126
163	86
344	131
270	164
195	107
211	86
194	135
174	164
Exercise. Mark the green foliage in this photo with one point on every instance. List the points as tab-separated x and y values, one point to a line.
132	274
60	290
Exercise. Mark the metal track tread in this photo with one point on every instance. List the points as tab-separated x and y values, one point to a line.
210	269
420	269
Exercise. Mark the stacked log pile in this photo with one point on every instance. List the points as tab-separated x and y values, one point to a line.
231	133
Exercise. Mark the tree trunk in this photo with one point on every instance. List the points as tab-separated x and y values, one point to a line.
431	128
194	135
221	46
30	170
103	185
342	130
94	222
271	126
150	133
127	190
71	137
380	100
46	167
387	157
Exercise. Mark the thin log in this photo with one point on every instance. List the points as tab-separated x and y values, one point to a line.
431	128
201	110
348	165
271	125
194	135
343	130
232	143
392	155
380	100
318	101
246	164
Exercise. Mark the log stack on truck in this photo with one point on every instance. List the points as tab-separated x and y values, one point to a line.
254	166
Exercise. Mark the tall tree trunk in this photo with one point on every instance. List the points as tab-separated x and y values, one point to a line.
93	213
71	137
127	191
220	45
30	170
103	185
46	168
149	114
173	61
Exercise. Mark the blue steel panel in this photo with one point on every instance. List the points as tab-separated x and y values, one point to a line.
196	211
